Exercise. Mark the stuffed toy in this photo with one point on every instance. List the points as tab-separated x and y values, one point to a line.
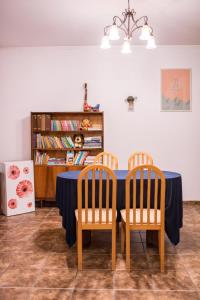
85	124
78	140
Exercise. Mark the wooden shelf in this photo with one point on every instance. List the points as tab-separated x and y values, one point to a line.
69	132
45	175
68	149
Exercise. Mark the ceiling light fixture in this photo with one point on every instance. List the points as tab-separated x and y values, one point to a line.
128	25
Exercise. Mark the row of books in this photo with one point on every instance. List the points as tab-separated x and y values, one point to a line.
65	125
79	159
64	142
41	158
45	159
89	160
49	142
92	142
41	122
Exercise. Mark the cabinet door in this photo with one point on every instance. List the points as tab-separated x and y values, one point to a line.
45	180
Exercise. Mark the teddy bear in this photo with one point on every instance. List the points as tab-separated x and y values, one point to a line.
85	124
78	140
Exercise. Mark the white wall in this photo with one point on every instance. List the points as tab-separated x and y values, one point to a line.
50	79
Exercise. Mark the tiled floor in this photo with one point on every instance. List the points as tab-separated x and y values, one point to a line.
35	263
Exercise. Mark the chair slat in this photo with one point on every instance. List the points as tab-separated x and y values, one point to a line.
134	199
107	197
108	159
138	158
148	195
93	196
86	198
155	199
141	195
100	196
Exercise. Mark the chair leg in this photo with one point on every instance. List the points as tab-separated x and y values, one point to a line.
80	250
128	248
162	250
122	237
114	247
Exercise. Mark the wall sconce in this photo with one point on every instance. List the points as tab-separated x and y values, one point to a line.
130	101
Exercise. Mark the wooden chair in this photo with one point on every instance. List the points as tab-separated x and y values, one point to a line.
139	158
151	212
103	184
107	159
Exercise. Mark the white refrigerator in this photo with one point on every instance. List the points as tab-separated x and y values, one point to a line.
17	186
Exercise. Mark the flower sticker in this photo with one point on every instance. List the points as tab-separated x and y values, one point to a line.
13	172
29	204
24	188
12	203
26	170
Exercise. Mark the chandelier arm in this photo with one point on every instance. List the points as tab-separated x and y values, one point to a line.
115	18
145	18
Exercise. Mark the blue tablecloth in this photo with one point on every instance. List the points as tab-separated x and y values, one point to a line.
66	199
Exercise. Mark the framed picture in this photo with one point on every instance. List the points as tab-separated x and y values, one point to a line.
176	90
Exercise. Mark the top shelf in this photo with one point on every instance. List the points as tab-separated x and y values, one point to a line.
69	131
69	113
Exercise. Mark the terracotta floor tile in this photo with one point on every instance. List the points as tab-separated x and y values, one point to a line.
135	280
26	260
195	276
177	295
14	293
94	279
138	262
56	278
19	277
50	294
172	280
134	295
93	295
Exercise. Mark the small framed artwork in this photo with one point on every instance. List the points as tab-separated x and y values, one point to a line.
176	90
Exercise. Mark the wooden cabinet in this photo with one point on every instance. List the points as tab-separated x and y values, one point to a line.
41	125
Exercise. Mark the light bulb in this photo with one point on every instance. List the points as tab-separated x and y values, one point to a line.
105	43
114	33
126	48
151	44
145	33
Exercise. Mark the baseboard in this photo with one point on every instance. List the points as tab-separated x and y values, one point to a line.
195	202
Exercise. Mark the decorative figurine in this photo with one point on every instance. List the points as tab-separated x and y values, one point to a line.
86	106
85	124
130	101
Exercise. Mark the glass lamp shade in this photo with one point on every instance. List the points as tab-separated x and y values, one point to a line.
105	43
114	33
126	47
151	44
145	33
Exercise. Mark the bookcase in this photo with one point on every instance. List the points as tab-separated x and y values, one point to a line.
53	148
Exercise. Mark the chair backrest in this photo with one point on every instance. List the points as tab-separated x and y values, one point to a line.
145	190
102	184
139	158
107	159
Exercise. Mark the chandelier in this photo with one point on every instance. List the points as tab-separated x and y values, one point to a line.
128	25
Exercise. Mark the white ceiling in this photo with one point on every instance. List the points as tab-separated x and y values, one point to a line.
81	22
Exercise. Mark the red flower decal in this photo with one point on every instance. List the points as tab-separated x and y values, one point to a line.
26	170
29	204
13	172
24	188
12	203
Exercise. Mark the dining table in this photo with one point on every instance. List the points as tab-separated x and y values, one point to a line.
66	201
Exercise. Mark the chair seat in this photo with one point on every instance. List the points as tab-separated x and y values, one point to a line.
97	219
123	214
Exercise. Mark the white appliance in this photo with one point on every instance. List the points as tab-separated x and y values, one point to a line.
17	185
